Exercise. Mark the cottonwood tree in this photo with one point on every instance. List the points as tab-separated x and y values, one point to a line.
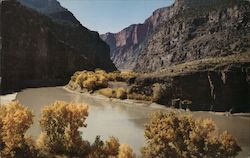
60	123
15	120
171	135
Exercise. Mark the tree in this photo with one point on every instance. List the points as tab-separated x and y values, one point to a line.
60	123
181	136
125	151
15	120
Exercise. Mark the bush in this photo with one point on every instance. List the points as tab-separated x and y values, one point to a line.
99	79
115	76
158	92
15	120
114	93
121	93
137	96
169	135
89	80
125	151
126	75
108	92
59	124
99	149
111	146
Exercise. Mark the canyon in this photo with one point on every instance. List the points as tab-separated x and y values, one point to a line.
44	48
185	31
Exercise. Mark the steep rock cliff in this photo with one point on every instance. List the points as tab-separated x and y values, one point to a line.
187	30
37	51
124	44
198	30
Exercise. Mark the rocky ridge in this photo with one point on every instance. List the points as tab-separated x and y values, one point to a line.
38	51
186	31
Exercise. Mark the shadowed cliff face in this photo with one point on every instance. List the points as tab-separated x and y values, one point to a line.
37	51
224	88
187	30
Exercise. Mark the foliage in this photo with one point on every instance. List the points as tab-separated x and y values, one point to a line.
108	92
158	92
15	120
99	79
125	151
167	135
121	93
137	96
99	149
126	75
170	135
115	76
89	80
60	123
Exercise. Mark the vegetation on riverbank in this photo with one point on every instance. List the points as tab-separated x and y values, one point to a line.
167	135
93	81
103	83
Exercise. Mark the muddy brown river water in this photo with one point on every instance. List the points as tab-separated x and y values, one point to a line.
123	119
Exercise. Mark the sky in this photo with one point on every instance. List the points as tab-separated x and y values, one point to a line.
112	15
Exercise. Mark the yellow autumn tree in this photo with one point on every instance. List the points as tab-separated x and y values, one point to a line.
15	120
108	149
125	151
171	135
60	123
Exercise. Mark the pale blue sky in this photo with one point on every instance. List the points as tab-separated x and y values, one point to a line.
112	15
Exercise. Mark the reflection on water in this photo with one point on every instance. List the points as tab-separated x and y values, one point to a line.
122	119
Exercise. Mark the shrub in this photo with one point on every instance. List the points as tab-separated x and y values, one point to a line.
15	120
60	123
112	146
90	80
158	92
121	93
75	75
137	96
126	75
170	135
125	151
99	149
90	83
115	76
108	92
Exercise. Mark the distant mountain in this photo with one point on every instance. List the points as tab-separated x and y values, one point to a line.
185	31
39	50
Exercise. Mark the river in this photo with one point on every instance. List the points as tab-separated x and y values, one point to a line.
123	119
